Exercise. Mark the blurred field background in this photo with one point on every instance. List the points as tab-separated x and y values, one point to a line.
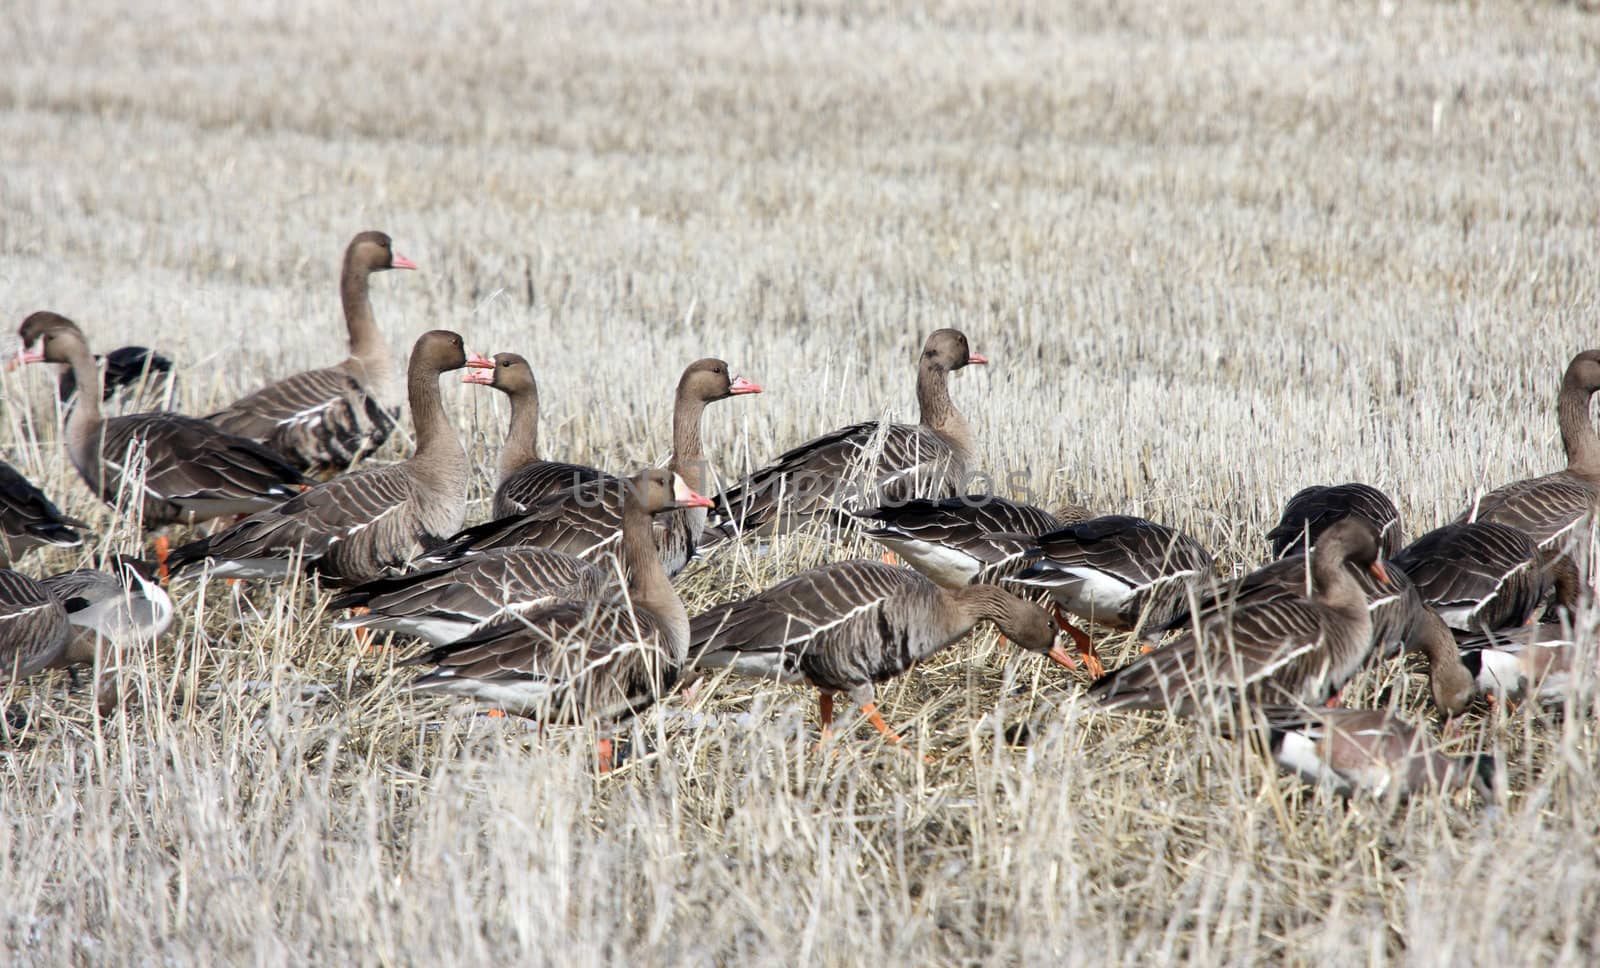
1215	254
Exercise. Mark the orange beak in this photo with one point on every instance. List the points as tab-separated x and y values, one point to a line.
1379	572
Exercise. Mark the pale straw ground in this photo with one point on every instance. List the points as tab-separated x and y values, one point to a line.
1215	255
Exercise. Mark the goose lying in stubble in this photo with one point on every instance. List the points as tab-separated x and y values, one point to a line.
583	660
1550	508
182	469
1117	571
323	421
1284	650
30	520
871	460
360	526
1314	509
1477	576
586	520
959	541
1368	751
34	630
845	626
1538	661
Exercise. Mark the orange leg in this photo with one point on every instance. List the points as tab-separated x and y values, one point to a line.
876	719
362	636
607	755
889	558
825	711
1333	701
163	546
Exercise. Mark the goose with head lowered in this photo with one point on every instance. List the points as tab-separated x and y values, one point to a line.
323	421
30	520
843	627
863	463
963	540
1283	650
366	524
178	468
582	660
1315	509
586	520
34	630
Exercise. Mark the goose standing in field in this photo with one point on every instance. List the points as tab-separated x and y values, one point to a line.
963	540
323	421
524	479
447	603
1540	660
586	520
30	520
183	469
1283	650
845	626
34	630
1314	509
1117	571
1368	751
1551	508
583	660
1477	576
360	526
872	460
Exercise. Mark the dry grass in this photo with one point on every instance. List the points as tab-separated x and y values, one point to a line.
1215	256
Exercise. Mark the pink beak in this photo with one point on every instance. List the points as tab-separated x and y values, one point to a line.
978	359
25	355
398	261
479	376
478	361
741	385
692	499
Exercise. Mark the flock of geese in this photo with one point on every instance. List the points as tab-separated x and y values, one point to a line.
562	608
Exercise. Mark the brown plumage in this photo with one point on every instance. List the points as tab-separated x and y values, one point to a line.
1478	575
1282	650
1368	751
1541	660
524	479
360	526
30	520
864	463
323	421
34	631
963	540
178	468
583	660
844	626
1314	509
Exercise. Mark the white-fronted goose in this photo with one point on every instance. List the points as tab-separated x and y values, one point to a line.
135	378
586	520
323	421
1117	571
357	527
1370	751
182	469
1538	660
524	479
123	603
1314	509
874	461
1477	576
34	630
847	625
447	603
1280	651
583	661
963	540
1549	507
30	520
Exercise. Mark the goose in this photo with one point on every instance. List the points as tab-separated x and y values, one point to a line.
586	520
843	627
1312	510
136	378
1117	571
1400	619
888	460
1540	659
1288	649
1477	575
360	526
183	469
34	630
324	421
449	602
582	660
30	520
958	541
524	479
1550	508
1370	751
124	603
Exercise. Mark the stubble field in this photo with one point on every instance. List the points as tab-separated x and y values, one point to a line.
1214	256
